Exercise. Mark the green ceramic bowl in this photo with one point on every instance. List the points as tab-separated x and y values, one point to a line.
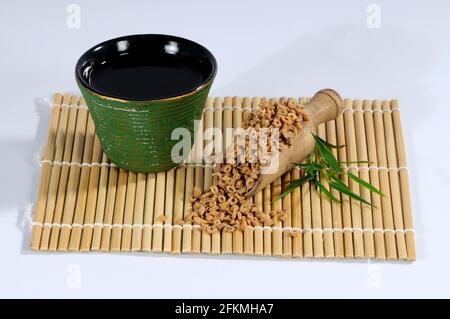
139	89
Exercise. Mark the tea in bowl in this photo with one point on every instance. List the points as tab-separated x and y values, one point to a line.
139	89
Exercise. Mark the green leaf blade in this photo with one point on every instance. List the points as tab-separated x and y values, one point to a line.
338	180
327	154
322	165
355	162
293	185
329	145
349	193
327	193
364	183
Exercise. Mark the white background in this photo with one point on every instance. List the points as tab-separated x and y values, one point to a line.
276	48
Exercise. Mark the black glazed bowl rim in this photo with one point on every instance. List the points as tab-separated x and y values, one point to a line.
84	57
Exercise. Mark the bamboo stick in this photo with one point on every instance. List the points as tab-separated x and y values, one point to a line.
258	200
238	234
380	252
109	209
404	180
306	212
138	214
74	177
286	207
316	218
103	189
48	154
93	188
170	186
338	237
119	207
208	125
149	208
267	202
277	234
248	232
62	185
58	146
394	181
259	234
198	181
366	210
358	241
83	187
327	220
187	231
297	238
223	121
227	237
185	183
201	239
187	241
130	199
388	220
178	209
158	218
345	203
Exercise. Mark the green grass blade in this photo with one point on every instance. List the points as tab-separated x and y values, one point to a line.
337	180
293	185
348	192
364	183
327	193
327	154
355	162
329	145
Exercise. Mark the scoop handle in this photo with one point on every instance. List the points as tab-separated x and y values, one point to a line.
324	106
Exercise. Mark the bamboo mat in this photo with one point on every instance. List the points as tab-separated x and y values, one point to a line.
84	203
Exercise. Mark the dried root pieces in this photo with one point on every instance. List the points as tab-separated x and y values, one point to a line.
224	211
224	207
288	117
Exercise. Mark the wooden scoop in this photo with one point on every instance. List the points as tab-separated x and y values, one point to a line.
324	106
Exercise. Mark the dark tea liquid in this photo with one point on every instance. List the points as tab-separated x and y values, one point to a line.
136	78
